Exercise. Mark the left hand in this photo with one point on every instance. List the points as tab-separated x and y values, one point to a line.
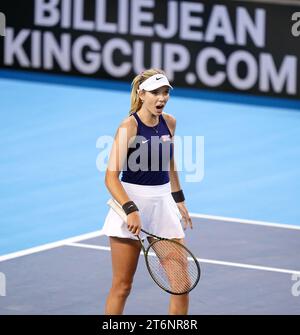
187	221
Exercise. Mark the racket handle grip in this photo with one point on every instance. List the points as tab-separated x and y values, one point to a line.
117	208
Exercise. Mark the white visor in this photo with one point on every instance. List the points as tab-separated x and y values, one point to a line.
154	82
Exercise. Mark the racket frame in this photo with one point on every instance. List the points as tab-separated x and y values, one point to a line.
119	210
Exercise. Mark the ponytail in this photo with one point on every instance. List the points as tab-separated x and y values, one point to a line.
135	101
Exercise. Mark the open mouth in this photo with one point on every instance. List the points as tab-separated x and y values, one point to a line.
160	107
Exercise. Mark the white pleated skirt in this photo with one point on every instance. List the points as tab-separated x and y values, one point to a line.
158	211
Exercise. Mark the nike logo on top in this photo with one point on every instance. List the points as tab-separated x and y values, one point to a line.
165	138
159	78
145	141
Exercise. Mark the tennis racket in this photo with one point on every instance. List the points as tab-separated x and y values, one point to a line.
171	265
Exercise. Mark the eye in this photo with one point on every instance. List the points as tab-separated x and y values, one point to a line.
157	92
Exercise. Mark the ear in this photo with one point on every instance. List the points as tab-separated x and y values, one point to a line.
142	94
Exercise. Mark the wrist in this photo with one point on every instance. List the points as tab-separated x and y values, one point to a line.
178	196
129	207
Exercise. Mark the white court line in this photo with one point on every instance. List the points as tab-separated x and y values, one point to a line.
200	260
243	221
49	246
99	233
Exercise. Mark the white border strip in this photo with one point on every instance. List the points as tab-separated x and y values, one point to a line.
243	221
202	260
49	246
249	266
276	2
88	246
99	233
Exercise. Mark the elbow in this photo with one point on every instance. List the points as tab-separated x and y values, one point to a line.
110	178
107	180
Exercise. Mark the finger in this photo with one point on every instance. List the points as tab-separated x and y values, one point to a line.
188	219
135	231
190	222
185	223
138	231
131	228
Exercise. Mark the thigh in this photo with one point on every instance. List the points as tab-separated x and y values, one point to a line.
125	254
180	240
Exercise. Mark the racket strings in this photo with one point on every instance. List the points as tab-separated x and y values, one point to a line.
173	268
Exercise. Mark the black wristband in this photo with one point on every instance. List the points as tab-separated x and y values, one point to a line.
178	196
129	207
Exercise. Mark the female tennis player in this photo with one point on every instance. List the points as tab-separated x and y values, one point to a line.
149	190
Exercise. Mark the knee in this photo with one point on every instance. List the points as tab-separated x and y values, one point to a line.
121	288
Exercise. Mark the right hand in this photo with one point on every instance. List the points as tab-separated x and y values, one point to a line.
134	224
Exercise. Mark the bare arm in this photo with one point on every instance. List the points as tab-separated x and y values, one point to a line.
124	137
174	178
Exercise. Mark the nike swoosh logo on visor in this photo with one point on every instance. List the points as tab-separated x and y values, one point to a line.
159	78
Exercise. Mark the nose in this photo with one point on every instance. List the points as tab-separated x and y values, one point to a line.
162	97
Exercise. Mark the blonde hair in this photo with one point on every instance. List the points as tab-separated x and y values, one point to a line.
135	101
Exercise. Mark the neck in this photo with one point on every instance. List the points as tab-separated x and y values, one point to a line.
148	118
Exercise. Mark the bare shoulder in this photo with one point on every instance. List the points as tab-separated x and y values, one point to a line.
129	123
171	121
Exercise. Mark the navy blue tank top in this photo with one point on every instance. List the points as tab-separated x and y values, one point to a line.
148	158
